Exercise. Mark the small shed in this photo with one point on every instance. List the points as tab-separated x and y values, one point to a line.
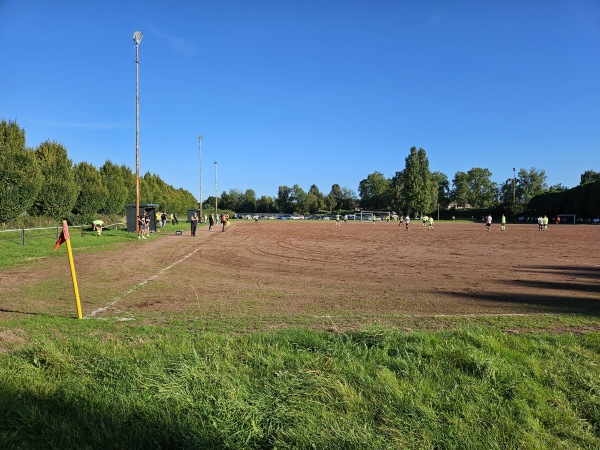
150	208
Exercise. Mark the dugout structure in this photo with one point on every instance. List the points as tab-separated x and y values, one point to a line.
150	208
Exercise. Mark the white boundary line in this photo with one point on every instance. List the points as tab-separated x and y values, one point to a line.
142	283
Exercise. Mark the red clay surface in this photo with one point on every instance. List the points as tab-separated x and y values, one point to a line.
282	273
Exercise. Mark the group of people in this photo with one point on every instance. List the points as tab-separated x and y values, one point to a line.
542	223
144	225
211	222
162	218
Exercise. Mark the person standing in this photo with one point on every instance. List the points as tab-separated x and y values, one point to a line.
545	222
406	222
488	222
430	223
211	222
194	224
223	221
141	225
337	220
163	219
503	223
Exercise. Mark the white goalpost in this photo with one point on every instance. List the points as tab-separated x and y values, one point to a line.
371	216
567	218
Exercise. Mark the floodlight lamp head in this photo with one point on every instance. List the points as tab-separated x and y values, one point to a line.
137	37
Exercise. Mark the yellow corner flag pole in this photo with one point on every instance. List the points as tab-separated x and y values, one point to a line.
64	237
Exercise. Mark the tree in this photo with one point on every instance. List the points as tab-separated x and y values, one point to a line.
374	192
92	192
335	198
20	176
297	198
248	201
530	183
589	176
417	192
460	190
396	192
59	190
442	186
116	188
314	201
347	199
482	191
283	201
266	204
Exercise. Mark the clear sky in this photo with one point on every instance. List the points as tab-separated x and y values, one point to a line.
308	91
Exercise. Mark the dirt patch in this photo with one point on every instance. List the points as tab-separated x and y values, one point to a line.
286	273
11	339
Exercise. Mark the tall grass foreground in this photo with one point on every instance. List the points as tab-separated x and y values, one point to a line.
69	384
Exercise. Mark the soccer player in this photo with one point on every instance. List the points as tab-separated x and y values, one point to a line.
430	223
337	220
503	223
488	222
406	222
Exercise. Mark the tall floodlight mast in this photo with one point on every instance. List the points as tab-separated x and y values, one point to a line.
137	38
216	195
200	145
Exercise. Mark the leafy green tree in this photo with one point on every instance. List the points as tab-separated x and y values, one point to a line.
482	191
231	200
348	199
589	176
315	200
297	198
417	192
460	190
374	191
112	179
20	176
530	183
283	201
59	190
442	187
396	192
248	201
266	204
92	192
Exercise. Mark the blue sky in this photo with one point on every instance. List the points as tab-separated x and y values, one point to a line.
308	92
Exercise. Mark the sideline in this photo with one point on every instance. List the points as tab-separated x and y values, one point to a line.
115	300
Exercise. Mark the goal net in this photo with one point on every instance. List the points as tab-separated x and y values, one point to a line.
373	216
565	218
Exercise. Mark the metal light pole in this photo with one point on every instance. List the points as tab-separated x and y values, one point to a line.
200	145
514	189
137	37
216	195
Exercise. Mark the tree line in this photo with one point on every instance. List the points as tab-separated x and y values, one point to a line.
45	182
415	190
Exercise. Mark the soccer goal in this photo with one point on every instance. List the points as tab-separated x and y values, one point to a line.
372	216
566	218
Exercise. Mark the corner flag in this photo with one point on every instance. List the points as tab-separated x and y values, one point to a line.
64	235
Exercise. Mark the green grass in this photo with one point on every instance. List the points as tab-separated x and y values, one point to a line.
93	384
39	244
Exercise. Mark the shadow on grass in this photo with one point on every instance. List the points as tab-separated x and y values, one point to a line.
32	420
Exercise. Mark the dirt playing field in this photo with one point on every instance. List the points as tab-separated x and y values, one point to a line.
285	273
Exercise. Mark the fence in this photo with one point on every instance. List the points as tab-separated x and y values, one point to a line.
43	232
